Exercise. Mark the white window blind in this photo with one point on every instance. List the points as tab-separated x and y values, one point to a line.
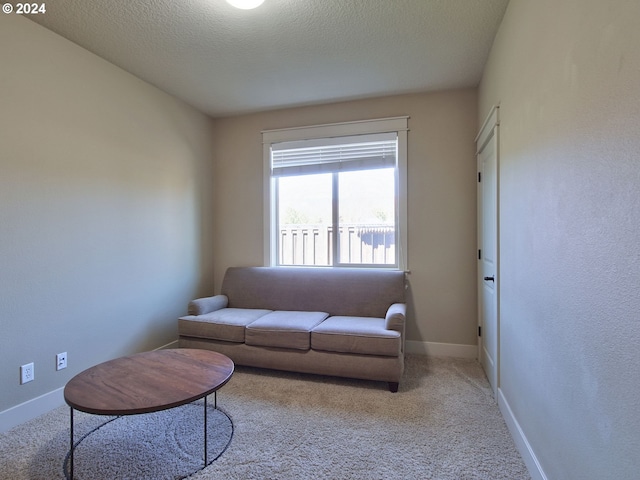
334	154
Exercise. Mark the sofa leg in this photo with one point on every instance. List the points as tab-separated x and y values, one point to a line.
393	387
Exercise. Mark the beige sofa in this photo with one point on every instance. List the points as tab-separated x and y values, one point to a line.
340	322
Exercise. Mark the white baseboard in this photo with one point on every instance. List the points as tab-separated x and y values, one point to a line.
520	439
31	409
173	344
435	349
35	407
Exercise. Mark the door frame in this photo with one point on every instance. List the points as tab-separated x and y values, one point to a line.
488	132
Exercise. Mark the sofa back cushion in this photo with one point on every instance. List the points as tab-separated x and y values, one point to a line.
349	292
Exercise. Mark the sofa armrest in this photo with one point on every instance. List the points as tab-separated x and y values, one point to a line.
200	306
395	317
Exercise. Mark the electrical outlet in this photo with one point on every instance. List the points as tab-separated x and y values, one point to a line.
61	361
27	373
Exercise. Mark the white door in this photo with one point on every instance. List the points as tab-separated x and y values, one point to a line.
488	252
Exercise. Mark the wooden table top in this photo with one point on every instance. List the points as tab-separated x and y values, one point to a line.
148	382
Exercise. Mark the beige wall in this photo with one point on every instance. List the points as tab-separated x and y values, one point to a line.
441	200
567	76
105	210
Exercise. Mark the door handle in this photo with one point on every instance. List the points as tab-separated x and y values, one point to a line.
487	279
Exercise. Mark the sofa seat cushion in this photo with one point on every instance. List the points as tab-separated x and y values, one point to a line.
362	335
227	324
285	329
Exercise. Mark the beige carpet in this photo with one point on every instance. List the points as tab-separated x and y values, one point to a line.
442	424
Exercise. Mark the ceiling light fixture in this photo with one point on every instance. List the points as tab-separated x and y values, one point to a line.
245	4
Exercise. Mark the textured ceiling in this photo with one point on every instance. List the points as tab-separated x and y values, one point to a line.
226	61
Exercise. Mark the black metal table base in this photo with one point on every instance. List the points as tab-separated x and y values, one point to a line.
68	464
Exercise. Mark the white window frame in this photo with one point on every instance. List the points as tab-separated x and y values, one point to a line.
397	125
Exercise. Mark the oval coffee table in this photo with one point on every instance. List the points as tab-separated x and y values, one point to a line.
147	382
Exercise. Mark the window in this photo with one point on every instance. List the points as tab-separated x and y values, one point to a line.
336	194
